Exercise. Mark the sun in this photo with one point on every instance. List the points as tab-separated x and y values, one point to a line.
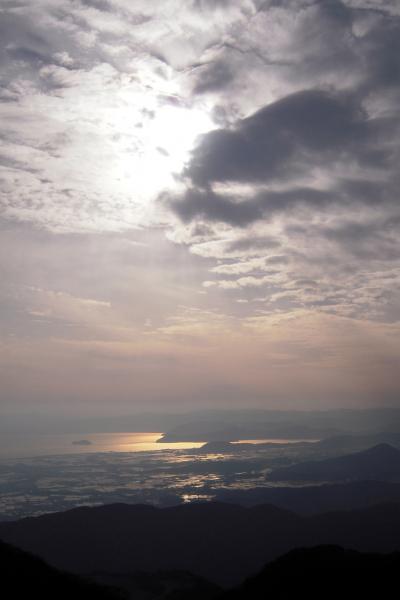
150	153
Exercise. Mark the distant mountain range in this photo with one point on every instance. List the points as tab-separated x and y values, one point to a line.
314	499
220	432
380	463
225	426
340	421
357	443
334	445
222	542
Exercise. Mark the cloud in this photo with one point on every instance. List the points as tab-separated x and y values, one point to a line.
214	77
214	207
313	168
241	211
285	139
79	83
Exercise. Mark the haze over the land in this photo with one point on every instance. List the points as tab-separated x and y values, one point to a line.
143	266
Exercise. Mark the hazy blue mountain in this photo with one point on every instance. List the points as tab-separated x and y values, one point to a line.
380	463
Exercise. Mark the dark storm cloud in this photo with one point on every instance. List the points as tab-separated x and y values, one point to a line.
282	140
221	208
215	207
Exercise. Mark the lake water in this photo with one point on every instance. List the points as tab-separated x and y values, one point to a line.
26	445
23	445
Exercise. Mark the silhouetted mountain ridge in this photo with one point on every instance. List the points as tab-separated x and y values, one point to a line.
314	499
26	576
327	572
220	542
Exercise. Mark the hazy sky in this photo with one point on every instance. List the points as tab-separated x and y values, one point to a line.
199	204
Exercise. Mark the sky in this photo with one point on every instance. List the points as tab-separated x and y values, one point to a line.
199	205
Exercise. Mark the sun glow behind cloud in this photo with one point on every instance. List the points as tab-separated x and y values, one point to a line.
97	149
162	147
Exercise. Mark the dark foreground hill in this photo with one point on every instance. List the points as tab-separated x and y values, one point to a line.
25	576
221	542
327	572
161	585
380	463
